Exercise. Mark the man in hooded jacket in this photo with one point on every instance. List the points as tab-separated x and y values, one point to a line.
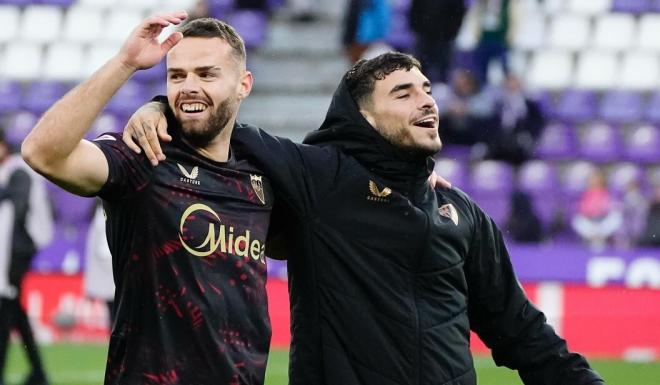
386	275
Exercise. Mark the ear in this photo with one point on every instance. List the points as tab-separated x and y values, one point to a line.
245	85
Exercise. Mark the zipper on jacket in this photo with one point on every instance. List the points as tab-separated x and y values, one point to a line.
412	198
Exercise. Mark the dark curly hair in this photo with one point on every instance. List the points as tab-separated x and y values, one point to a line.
361	79
210	27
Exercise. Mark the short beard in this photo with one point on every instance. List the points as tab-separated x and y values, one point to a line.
397	139
213	126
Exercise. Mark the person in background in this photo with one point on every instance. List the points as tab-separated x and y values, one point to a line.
598	218
25	227
634	210
494	23
521	121
366	22
651	234
98	281
436	24
303	11
467	110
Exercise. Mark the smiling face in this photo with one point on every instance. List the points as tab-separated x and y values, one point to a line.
403	111
205	85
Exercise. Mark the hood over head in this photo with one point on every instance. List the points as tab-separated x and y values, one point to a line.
345	127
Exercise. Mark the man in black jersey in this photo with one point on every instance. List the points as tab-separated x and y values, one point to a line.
386	275
188	236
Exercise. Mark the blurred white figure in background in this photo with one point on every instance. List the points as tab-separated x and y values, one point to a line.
99	282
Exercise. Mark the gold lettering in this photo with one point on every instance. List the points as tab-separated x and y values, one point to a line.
210	238
242	239
254	249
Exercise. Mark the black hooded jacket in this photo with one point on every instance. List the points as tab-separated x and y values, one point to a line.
386	275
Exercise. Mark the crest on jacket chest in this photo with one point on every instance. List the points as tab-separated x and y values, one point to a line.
449	211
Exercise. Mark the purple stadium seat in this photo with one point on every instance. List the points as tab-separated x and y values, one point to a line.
545	100
576	106
400	36
557	142
156	73
491	185
600	143
621	107
68	208
539	180
652	109
20	3
68	244
454	171
10	96
251	25
57	3
129	97
621	174
574	180
220	8
632	6
643	145
105	123
40	95
275	4
20	124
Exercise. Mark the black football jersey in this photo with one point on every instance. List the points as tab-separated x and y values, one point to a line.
187	240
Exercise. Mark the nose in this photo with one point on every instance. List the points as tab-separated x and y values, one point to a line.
190	85
426	101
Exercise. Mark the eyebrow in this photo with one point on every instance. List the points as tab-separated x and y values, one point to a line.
197	69
405	86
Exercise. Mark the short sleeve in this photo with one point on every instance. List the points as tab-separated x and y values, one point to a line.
128	172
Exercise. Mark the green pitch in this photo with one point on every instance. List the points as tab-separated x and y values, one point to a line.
84	365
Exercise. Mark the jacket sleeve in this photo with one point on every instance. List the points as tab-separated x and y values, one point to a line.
299	173
514	329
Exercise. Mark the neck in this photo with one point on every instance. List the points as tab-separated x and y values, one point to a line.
218	149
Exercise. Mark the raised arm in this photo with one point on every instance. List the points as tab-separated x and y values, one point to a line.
55	148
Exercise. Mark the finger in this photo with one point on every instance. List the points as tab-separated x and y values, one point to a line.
141	132
175	17
433	179
442	182
154	143
127	137
162	130
171	41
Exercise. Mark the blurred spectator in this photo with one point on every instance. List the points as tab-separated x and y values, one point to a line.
467	111
366	22
25	227
436	24
634	209
523	224
597	218
303	11
259	5
651	234
199	10
520	125
99	283
493	20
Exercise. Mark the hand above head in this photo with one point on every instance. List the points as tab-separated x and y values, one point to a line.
142	49
148	127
